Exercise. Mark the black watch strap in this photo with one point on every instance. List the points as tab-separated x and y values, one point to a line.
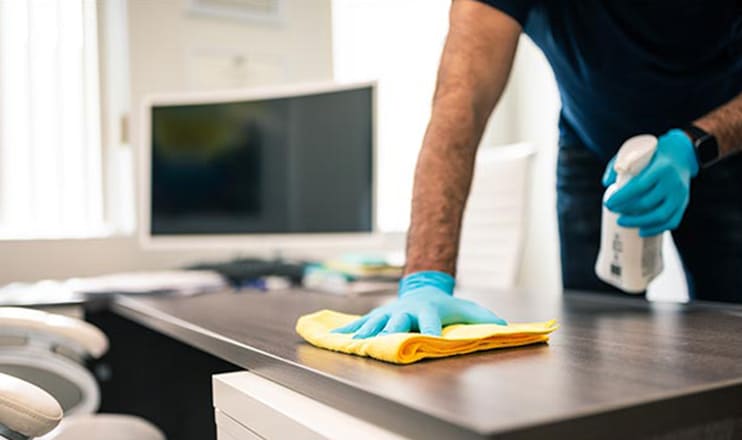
707	149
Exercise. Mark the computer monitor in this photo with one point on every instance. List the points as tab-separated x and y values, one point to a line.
224	168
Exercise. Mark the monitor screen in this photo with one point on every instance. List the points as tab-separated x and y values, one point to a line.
300	164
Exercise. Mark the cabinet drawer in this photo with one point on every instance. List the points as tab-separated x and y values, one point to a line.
270	411
228	429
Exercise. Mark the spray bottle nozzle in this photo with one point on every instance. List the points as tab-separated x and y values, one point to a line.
635	154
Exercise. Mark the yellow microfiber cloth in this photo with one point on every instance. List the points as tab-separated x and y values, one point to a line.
406	348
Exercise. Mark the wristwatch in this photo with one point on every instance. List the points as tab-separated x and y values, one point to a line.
707	149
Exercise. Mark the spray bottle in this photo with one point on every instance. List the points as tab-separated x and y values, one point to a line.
627	260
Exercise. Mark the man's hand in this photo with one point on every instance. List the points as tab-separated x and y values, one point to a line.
425	304
654	200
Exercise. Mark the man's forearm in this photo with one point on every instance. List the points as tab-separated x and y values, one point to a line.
442	180
725	123
474	68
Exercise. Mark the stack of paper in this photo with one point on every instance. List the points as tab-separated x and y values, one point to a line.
353	274
182	282
177	282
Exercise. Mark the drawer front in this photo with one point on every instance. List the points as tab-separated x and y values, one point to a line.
224	435
228	429
272	411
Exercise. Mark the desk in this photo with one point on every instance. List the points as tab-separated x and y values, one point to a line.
617	368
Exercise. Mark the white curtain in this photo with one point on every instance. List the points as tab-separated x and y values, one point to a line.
50	154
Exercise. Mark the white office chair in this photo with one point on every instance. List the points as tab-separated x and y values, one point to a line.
48	351
494	223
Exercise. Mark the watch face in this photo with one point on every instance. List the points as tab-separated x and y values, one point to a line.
707	149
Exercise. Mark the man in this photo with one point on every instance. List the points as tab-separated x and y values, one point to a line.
669	68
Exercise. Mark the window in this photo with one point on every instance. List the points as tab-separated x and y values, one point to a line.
50	141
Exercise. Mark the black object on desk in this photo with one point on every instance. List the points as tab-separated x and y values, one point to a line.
242	270
617	367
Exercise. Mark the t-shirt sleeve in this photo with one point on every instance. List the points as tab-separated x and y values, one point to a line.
518	9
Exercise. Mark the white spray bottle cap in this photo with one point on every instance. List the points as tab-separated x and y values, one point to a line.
634	155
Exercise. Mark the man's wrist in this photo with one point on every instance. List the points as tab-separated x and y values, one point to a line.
428	278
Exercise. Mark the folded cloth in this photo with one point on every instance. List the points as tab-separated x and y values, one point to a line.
406	348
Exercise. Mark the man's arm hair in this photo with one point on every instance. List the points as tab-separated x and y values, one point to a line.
473	72
725	123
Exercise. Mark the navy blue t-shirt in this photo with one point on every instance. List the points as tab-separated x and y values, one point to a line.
626	67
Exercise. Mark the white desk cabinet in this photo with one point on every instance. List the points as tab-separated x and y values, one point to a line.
248	407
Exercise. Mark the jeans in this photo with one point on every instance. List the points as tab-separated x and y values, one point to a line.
709	238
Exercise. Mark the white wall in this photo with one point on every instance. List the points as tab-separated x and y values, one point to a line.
399	44
174	49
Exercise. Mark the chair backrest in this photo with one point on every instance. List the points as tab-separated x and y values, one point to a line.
494	224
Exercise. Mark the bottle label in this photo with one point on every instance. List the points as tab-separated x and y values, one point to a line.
651	257
617	247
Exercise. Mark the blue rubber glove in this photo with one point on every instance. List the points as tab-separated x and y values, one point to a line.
654	200
425	304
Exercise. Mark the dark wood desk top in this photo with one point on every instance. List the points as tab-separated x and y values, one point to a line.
617	365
